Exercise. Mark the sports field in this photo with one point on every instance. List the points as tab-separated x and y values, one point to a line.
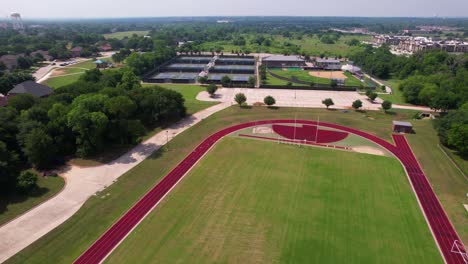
65	243
292	205
125	34
305	76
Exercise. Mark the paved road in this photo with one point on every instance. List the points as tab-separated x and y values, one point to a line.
82	183
442	229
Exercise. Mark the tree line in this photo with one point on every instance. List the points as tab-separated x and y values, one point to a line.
101	109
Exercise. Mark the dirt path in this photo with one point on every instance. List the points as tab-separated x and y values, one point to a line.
82	183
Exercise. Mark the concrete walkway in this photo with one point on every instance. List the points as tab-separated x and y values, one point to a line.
82	183
301	98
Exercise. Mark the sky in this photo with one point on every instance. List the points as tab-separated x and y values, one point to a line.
30	9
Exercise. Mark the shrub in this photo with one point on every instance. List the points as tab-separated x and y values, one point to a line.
211	89
269	100
240	99
26	181
357	104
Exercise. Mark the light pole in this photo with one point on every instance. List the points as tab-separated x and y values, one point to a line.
167	139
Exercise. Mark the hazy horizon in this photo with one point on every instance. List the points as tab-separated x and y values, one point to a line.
88	9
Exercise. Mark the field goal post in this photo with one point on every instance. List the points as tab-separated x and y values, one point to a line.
459	248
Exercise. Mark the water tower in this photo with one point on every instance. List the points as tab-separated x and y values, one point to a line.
16	21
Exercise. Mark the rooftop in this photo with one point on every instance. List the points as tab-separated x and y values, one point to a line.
402	123
328	60
31	87
283	58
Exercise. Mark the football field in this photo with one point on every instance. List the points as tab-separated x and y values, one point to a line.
251	201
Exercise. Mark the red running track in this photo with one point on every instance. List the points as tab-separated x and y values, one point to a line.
439	223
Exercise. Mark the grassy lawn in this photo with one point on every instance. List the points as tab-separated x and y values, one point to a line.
56	82
123	34
189	92
14	205
293	207
69	240
397	96
306	77
308	44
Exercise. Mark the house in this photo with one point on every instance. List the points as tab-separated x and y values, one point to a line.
10	61
31	87
76	51
105	47
328	64
44	53
3	100
402	127
281	61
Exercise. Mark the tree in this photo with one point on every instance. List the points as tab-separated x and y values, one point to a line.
371	95
333	83
211	89
226	81
357	104
26	181
22	101
129	81
251	81
93	75
386	105
458	137
39	148
263	73
202	79
328	102
240	99
269	100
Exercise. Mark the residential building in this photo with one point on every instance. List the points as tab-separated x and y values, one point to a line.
31	87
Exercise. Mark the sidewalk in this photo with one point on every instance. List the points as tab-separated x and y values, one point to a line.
82	183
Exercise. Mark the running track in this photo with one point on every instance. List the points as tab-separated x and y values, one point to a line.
441	227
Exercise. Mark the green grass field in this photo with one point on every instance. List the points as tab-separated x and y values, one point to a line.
397	96
308	44
306	77
292	205
123	34
69	240
14	205
57	82
189	92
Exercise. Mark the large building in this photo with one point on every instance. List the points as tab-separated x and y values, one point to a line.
411	44
281	61
328	64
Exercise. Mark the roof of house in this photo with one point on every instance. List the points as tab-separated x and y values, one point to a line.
402	123
283	58
33	88
77	49
10	60
327	60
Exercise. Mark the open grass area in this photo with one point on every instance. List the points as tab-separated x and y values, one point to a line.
123	34
57	82
306	77
189	92
293	207
309	44
69	240
70	74
12	206
397	96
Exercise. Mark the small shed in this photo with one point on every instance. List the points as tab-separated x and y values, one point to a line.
402	127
